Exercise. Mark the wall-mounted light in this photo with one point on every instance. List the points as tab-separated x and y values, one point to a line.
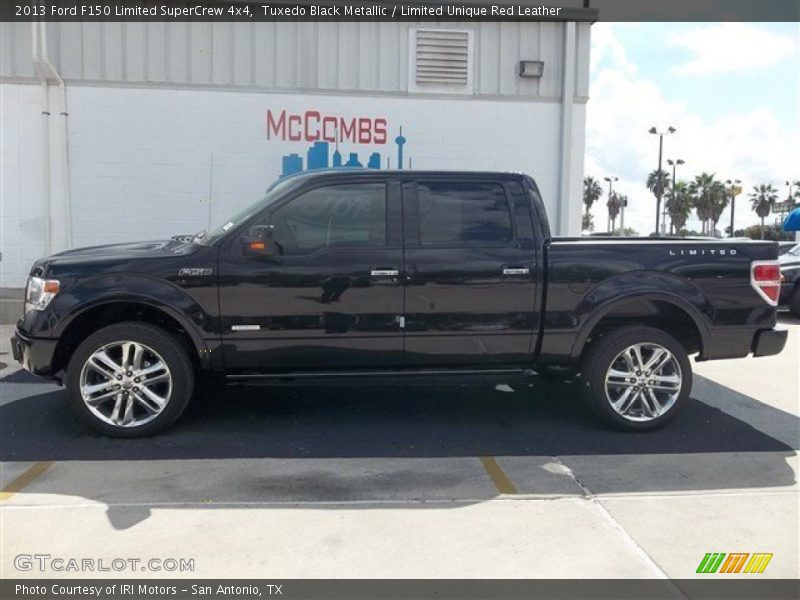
531	68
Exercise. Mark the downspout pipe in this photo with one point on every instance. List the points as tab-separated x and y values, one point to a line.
46	72
42	77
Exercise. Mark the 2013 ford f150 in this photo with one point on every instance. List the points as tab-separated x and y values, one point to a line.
364	272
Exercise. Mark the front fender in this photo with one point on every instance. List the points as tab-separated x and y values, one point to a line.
121	287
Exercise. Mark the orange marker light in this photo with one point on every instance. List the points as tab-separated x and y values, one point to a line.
51	286
258	246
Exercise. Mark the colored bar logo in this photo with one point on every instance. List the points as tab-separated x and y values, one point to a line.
734	562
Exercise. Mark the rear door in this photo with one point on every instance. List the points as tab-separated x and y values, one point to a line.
470	273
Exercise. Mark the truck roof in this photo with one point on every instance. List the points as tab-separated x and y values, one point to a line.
350	171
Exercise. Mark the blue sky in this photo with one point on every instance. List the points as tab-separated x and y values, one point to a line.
731	89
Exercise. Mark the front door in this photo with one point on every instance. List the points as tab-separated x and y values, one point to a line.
332	299
471	274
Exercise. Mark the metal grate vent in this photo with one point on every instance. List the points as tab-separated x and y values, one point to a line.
442	56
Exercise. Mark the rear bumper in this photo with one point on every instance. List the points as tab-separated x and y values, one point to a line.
734	342
768	342
34	354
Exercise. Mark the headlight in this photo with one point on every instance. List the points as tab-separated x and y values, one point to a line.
40	292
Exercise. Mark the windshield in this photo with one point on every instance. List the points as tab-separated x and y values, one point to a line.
275	190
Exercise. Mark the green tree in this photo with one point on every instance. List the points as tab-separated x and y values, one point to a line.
703	191
591	192
614	205
763	198
627	232
658	182
587	222
770	232
679	206
719	202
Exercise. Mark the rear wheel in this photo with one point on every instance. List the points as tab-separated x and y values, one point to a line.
637	378
130	380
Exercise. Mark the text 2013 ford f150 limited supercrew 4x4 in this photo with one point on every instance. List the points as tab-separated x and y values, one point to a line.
362	272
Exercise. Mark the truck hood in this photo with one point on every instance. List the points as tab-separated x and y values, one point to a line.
118	253
150	249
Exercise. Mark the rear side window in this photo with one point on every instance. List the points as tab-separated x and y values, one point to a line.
460	213
351	215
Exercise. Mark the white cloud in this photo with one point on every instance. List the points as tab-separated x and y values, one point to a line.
752	146
730	47
605	45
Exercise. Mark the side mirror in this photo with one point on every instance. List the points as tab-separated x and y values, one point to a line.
259	243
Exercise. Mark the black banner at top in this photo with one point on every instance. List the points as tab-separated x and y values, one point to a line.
409	10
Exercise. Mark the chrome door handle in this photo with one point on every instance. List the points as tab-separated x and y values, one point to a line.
516	271
385	272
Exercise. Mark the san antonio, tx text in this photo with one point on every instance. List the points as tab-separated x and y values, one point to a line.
138	590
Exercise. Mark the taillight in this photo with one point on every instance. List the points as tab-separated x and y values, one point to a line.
765	277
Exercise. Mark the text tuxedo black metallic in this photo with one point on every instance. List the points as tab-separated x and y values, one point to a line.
362	272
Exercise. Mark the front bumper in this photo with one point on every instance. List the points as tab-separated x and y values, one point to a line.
34	354
769	341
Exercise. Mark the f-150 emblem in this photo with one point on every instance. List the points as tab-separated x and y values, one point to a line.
195	272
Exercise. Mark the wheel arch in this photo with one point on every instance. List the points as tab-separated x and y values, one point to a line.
108	311
667	312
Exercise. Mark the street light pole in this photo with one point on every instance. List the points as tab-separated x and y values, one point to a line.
734	189
673	164
610	181
660	181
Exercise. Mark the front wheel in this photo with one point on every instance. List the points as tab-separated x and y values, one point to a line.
130	380
637	378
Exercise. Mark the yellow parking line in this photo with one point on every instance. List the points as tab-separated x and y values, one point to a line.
495	472
25	479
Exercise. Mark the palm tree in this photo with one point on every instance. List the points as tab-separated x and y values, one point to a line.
614	205
591	192
587	222
719	202
679	206
763	198
703	190
658	184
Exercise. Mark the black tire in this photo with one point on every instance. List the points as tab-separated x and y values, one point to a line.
170	350
602	355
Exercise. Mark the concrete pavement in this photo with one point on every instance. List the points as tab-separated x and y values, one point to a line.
413	481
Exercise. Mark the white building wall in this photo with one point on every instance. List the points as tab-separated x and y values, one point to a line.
151	106
141	159
23	222
335	56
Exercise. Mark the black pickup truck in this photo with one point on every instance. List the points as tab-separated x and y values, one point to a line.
381	273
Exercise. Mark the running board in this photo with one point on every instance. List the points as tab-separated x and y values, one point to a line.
398	373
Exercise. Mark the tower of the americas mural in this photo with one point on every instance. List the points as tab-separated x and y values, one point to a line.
400	140
337	156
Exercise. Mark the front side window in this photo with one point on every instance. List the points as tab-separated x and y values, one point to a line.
348	215
463	213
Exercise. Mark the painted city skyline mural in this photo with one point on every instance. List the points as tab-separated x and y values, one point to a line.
326	131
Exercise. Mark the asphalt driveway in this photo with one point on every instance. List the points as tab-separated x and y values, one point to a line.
449	480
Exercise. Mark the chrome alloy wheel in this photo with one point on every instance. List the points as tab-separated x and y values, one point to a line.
125	384
643	382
